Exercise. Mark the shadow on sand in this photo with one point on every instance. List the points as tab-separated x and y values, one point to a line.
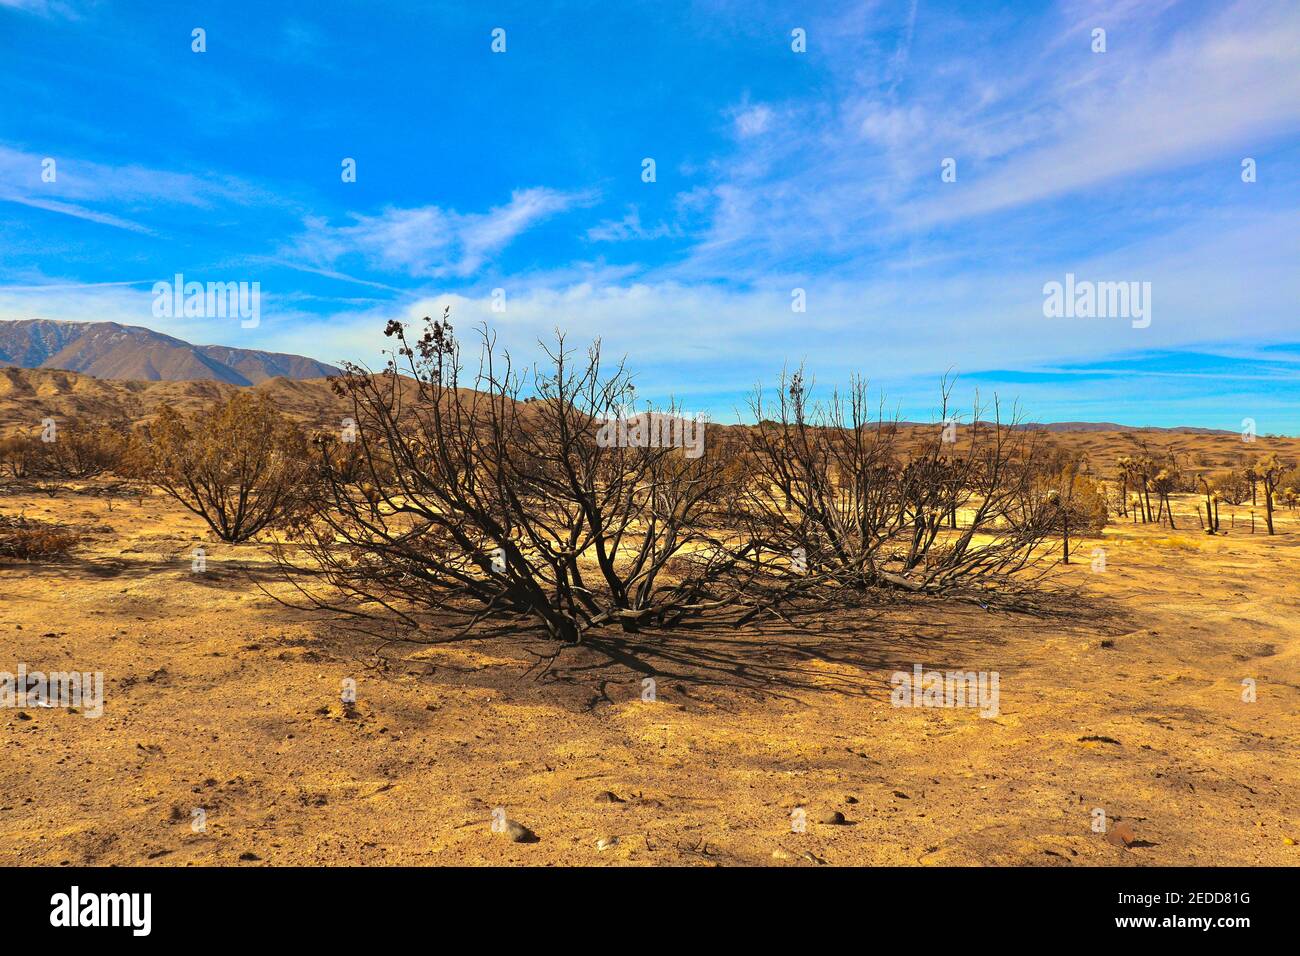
851	651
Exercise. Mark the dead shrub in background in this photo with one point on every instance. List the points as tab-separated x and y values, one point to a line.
841	499
1068	503
25	539
1269	470
19	456
1232	486
79	450
82	450
241	467
1289	487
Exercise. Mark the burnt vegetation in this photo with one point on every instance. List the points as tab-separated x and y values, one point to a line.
456	495
546	497
464	489
241	466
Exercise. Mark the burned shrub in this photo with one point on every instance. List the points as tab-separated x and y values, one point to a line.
1068	503
19	456
83	450
69	451
462	497
1231	486
241	466
544	498
841	499
26	539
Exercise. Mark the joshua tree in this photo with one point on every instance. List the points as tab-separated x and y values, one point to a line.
1163	483
1211	507
1268	470
1138	472
1124	465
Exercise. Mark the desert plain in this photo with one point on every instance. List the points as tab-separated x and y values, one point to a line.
1124	693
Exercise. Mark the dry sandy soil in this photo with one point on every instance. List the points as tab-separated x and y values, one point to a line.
1127	698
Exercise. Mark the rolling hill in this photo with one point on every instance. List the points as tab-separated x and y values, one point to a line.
29	395
107	371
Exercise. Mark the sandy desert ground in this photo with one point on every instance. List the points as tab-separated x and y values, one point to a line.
1127	698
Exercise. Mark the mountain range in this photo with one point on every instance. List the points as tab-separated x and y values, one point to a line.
107	350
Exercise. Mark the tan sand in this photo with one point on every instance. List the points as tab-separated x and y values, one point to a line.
221	699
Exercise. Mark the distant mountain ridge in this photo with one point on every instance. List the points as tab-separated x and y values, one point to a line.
107	350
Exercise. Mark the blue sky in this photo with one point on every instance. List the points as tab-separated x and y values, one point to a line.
775	170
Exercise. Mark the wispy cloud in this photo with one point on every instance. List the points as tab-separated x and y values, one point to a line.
429	241
752	120
77	212
820	172
102	193
44	8
629	228
856	169
1228	84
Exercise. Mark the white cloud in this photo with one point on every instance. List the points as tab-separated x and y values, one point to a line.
1232	82
77	212
429	241
753	121
629	228
80	185
698	340
1030	119
45	8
